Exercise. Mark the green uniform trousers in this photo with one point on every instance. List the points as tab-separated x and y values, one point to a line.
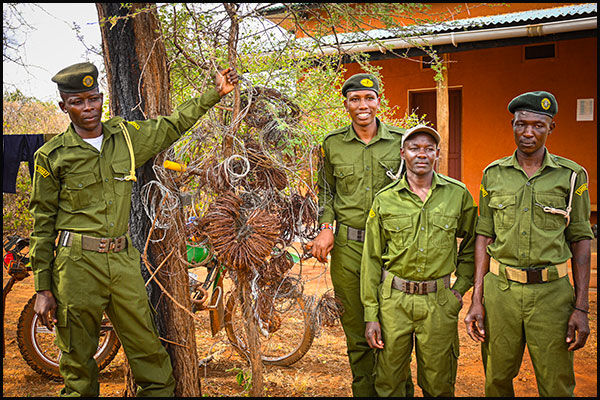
345	277
430	321
86	283
517	314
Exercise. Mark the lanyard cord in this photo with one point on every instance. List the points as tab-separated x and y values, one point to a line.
131	176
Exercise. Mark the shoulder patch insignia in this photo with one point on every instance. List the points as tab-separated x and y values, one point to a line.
134	124
371	213
483	191
581	189
42	171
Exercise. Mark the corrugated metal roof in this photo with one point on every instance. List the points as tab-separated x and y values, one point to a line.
509	19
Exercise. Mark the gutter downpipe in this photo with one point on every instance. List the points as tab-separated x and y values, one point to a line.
455	38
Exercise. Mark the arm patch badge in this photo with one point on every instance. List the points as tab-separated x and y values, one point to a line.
483	191
581	189
42	171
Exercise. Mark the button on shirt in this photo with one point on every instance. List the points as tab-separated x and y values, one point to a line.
511	211
78	188
353	172
416	240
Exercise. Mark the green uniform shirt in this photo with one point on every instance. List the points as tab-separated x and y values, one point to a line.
353	172
416	240
510	205
76	188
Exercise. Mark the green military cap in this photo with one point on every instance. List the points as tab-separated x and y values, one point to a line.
77	78
538	102
361	82
422	129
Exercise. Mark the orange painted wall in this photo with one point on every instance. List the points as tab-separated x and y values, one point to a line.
489	79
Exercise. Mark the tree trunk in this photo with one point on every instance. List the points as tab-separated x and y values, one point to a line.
136	68
443	117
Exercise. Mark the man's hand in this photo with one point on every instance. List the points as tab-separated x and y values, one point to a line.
474	322
373	335
322	245
578	330
45	308
225	81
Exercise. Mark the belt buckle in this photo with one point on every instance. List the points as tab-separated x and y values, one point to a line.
412	287
360	236
119	244
534	275
106	245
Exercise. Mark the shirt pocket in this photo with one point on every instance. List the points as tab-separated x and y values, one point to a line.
397	231
81	191
444	231
545	220
120	170
504	210
345	180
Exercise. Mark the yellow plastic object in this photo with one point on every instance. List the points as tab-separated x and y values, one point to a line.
174	166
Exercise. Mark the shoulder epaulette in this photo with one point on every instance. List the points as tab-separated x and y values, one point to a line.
452	180
114	121
395	129
494	163
337	131
565	162
52	144
387	187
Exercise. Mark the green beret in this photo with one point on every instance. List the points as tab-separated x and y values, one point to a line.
77	78
538	102
361	82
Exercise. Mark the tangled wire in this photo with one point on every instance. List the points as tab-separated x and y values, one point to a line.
249	206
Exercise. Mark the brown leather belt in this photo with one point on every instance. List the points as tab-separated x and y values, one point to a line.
100	245
528	276
415	287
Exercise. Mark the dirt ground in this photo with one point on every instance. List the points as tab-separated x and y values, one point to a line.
323	372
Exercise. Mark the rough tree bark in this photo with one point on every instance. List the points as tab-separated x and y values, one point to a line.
136	67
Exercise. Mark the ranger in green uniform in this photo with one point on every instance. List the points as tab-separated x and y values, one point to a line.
358	160
409	255
82	191
534	217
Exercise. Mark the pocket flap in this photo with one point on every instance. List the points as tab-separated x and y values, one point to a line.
554	200
444	222
62	312
502	201
121	167
340	171
397	224
80	181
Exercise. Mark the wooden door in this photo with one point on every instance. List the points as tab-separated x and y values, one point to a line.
424	103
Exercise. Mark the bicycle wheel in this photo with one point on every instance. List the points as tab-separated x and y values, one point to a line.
285	338
36	344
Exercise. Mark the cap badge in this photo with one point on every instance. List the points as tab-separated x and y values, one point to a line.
546	103
366	82
87	81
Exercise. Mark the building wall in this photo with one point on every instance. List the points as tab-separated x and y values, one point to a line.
489	79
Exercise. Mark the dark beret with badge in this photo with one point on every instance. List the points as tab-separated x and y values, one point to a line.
540	102
77	78
361	82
